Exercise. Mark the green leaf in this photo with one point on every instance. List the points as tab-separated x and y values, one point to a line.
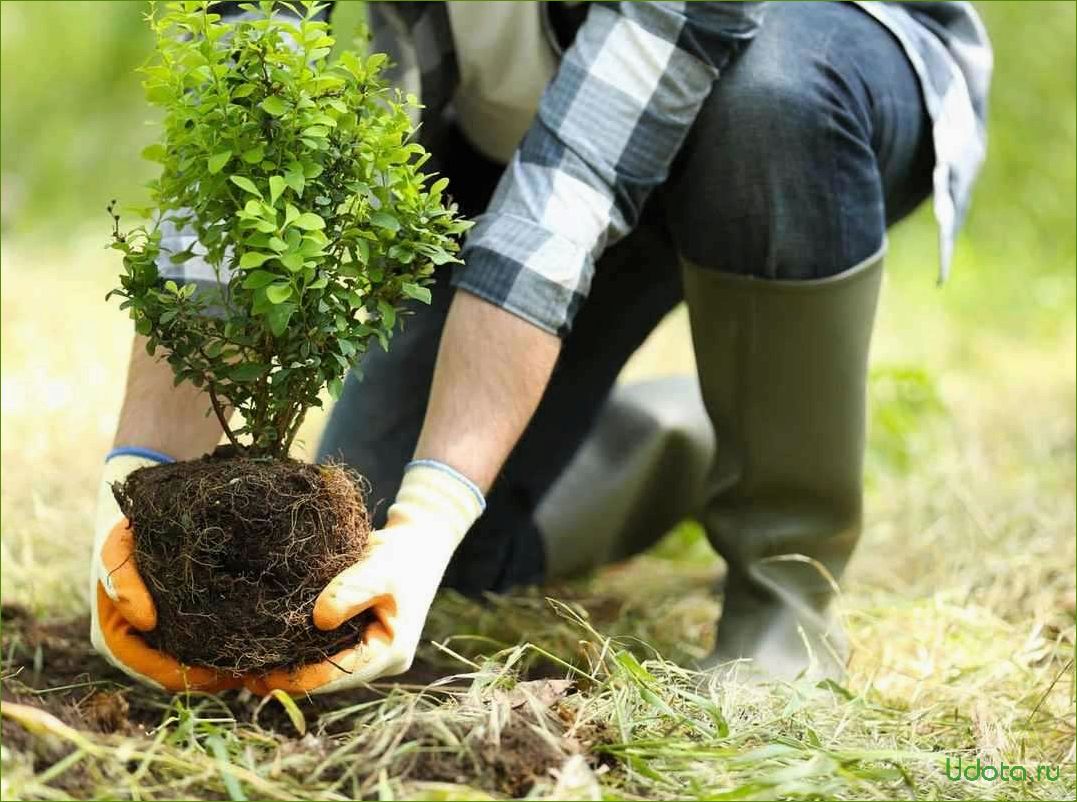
253	259
159	94
385	220
440	256
278	318
154	153
362	250
296	181
276	187
180	257
309	221
293	261
217	161
247	371
254	155
311	247
245	184
374	61
402	254
415	291
274	105
279	293
388	314
243	90
336	388
257	279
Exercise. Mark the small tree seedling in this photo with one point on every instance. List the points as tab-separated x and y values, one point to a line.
298	175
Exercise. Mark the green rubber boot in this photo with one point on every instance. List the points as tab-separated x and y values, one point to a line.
783	371
641	471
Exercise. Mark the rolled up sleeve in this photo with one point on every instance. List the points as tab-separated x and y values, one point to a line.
608	127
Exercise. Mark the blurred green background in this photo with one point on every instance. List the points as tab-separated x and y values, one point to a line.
74	122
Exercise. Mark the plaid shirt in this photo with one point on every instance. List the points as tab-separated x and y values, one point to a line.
612	119
615	114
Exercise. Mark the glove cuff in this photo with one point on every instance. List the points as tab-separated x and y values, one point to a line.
119	464
138	451
433	490
455	474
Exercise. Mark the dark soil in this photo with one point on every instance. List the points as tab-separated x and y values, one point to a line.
51	665
235	552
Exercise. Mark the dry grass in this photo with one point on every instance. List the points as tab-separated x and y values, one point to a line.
960	605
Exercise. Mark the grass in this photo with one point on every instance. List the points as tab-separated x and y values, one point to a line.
959	604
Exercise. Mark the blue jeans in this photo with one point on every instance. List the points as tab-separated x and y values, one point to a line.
810	145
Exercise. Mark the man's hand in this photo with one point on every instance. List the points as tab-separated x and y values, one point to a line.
121	605
396	580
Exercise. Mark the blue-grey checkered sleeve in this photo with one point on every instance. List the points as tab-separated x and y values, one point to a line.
608	126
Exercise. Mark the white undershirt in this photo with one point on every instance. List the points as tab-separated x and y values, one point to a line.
505	62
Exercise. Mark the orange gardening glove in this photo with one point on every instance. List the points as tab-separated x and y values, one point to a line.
396	579
120	603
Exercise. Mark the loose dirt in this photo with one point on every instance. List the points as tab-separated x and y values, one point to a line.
235	552
503	742
51	665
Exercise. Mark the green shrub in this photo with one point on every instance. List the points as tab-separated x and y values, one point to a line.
297	174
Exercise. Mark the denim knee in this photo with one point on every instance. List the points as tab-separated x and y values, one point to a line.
778	178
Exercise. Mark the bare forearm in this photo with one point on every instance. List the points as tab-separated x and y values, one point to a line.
491	372
166	418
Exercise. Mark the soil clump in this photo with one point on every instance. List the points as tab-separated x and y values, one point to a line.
235	551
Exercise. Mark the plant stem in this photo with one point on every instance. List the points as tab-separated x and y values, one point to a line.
294	431
219	412
284	427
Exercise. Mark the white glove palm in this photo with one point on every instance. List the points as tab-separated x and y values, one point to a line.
396	579
121	605
108	518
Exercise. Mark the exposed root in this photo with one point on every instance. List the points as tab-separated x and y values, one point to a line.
235	552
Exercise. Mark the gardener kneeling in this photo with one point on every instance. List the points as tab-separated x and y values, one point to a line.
745	158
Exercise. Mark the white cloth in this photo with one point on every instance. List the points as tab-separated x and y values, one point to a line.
505	61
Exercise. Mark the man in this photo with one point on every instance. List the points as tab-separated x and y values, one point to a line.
746	158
